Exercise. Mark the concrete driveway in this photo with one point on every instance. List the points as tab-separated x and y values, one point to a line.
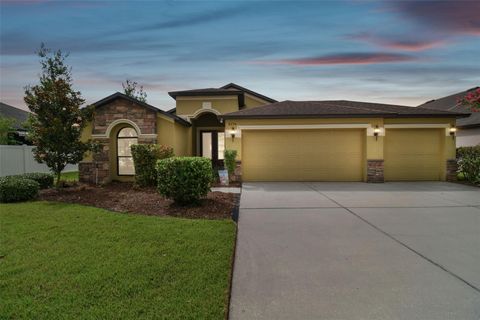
357	251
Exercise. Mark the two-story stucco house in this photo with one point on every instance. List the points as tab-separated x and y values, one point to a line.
277	141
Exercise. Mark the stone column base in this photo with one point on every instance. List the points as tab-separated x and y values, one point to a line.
452	168
93	172
86	172
375	170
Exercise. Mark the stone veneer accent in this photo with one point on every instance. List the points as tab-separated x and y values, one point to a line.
452	168
375	169
86	172
145	118
98	171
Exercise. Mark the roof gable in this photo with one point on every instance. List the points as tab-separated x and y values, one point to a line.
226	90
119	95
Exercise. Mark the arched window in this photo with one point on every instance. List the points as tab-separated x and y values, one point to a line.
125	139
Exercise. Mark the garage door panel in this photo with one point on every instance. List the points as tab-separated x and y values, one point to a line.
306	155
413	154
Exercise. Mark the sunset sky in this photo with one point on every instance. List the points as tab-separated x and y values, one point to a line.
400	52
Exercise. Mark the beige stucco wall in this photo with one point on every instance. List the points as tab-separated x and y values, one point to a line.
165	131
175	135
87	135
182	140
187	106
252	102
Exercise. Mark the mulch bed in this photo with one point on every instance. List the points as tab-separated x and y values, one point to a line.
123	197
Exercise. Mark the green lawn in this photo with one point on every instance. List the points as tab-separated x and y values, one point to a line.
62	261
69	176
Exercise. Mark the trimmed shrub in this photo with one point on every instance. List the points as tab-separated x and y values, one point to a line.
469	163
230	163
184	179
45	180
15	189
145	157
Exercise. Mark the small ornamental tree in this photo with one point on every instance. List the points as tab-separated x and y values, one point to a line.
230	163
472	100
57	121
130	89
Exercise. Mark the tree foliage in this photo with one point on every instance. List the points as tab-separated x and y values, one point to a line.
145	157
132	90
6	130
58	119
469	163
472	100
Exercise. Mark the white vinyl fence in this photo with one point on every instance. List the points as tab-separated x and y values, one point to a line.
19	159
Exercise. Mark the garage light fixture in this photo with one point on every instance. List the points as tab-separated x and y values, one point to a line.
232	132
452	131
376	132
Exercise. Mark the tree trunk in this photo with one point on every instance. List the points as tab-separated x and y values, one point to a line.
59	174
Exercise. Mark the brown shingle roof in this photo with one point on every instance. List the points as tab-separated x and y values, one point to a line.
338	108
450	103
253	93
19	115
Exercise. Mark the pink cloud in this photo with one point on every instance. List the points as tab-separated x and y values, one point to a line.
390	42
343	58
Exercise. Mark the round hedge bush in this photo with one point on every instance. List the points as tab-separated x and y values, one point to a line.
45	180
15	189
184	179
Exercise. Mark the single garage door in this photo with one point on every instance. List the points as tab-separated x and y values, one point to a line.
303	155
413	154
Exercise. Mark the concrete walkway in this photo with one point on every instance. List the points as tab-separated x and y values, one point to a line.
357	251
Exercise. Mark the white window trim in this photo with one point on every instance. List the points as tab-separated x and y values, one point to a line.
301	127
417	126
445	126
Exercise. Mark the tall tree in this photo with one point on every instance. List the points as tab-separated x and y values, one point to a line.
58	119
132	90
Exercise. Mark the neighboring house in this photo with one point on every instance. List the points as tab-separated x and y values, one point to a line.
20	116
468	128
277	141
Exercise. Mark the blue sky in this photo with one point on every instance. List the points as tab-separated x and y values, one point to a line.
403	52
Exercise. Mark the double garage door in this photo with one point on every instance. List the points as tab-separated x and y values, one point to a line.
337	155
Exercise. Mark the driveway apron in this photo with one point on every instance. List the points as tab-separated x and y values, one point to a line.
357	251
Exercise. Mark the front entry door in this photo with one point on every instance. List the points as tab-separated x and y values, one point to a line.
212	145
